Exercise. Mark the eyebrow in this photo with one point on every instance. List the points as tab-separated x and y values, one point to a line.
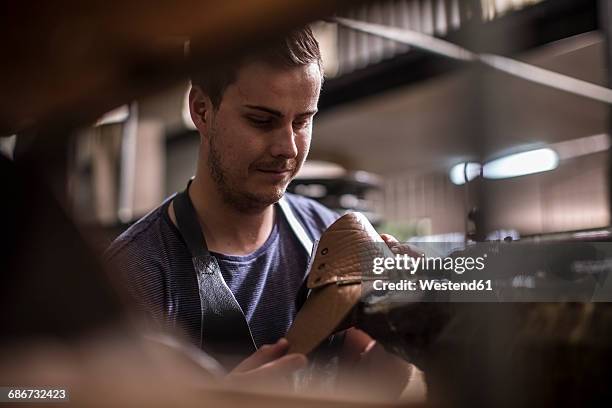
277	113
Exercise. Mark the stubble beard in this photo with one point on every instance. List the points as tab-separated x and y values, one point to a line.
243	201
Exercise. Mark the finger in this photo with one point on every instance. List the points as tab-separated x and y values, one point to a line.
389	239
406	249
391	242
371	345
263	355
399	248
391	372
356	342
281	367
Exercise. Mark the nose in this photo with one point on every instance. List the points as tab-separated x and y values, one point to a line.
283	144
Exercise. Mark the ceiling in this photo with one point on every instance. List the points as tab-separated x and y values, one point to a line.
437	123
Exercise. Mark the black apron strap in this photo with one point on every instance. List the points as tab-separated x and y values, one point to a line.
224	331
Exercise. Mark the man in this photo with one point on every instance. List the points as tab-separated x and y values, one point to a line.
255	122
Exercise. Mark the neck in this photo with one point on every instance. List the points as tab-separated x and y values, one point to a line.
227	229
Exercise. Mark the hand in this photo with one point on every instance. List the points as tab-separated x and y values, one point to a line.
268	366
367	368
397	247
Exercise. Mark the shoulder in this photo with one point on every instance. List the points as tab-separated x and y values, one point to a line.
143	238
139	259
315	216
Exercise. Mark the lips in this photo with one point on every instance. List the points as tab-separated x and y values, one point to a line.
277	171
275	168
276	175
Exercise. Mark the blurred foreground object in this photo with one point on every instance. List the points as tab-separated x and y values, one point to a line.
98	56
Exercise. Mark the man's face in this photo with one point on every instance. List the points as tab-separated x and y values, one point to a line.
258	138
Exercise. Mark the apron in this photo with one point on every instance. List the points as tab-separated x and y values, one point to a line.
224	330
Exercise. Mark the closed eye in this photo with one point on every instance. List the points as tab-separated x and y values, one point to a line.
299	124
259	121
303	121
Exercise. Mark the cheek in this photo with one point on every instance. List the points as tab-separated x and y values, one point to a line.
303	144
232	144
242	150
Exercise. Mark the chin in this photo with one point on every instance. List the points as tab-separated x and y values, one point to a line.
273	196
270	196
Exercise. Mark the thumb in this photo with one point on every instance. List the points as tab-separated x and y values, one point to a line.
263	355
389	239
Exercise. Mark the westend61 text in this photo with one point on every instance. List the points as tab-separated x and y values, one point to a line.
433	284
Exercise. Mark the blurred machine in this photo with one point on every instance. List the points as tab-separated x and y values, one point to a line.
541	337
339	189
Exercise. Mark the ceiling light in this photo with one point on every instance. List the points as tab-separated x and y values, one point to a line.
459	172
521	164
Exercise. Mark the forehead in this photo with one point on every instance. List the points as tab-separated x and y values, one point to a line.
277	87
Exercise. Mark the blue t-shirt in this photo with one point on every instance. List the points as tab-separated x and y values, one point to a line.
155	264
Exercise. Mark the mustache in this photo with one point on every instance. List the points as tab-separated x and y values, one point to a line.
276	165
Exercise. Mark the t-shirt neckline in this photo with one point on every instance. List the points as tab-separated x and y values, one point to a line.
234	258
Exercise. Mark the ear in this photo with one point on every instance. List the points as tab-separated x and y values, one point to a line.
200	108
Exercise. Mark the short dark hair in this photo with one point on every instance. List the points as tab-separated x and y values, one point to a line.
298	48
